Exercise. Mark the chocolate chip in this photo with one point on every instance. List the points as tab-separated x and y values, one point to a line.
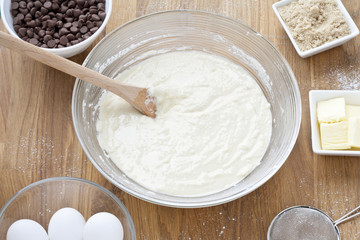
63	8
51	43
24	11
37	14
59	16
52	14
64	40
71	4
47	38
14	5
51	23
80	3
67	25
76	13
102	15
59	24
37	4
22	32
98	23
33	11
89	24
30	5
63	31
30	33
101	6
75	24
22	4
14	12
74	30
80	23
44	11
55	6
94	29
93	10
82	17
20	16
37	22
69	19
45	18
56	35
16	28
37	29
31	23
41	33
50	31
83	29
33	41
95	17
70	37
56	23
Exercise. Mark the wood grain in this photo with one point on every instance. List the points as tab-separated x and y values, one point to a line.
37	139
136	96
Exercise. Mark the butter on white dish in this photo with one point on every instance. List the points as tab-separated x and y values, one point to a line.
332	110
354	132
352	99
352	111
353	115
334	135
212	126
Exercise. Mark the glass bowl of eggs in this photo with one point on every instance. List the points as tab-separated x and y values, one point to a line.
65	208
149	47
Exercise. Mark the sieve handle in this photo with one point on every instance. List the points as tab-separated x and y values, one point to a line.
355	212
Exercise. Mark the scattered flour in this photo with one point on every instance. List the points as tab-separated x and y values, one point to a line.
34	153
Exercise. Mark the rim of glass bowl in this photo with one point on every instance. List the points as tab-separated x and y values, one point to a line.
116	199
209	203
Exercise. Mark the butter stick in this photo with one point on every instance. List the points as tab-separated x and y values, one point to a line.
354	132
334	136
352	111
331	111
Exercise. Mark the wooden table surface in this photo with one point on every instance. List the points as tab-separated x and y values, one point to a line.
37	138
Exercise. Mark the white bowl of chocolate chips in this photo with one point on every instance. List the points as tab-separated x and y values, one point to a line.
64	27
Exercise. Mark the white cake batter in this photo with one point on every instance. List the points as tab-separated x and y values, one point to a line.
212	127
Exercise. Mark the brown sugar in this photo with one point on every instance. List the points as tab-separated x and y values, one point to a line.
313	23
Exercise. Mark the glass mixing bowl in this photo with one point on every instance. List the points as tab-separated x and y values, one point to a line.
40	200
184	30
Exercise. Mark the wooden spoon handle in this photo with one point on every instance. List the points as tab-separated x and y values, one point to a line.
127	92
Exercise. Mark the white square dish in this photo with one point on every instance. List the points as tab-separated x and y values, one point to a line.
352	97
353	28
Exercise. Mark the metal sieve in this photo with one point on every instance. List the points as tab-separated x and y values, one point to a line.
306	223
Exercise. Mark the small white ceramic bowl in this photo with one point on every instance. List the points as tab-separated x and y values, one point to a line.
351	97
63	52
353	28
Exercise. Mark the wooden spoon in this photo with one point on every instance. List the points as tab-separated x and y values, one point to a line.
138	97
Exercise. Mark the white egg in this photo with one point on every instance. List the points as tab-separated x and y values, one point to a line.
103	226
66	224
26	229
